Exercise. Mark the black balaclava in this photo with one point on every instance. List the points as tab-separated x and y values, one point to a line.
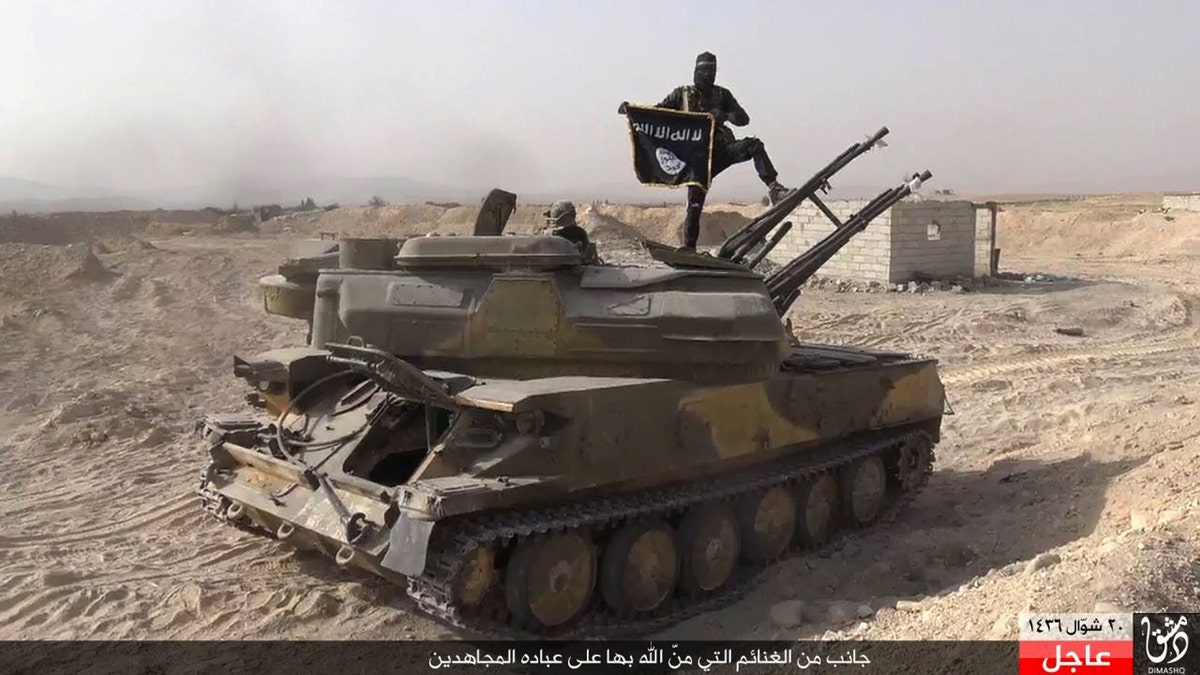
705	74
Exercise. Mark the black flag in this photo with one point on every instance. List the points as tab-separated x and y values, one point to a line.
671	148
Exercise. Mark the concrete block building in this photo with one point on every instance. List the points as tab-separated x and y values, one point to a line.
914	239
987	256
1181	201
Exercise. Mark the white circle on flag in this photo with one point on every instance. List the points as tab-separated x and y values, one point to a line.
668	161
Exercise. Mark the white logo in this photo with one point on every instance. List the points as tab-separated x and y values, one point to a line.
1174	636
668	161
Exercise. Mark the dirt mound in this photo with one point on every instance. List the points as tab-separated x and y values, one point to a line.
717	226
604	227
665	223
401	220
659	223
236	222
123	244
97	416
21	315
59	229
1112	231
26	269
159	229
73	227
149	293
88	268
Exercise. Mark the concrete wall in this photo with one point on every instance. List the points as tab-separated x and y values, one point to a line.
1182	202
932	238
983	239
865	257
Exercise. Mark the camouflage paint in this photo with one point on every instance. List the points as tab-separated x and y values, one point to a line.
638	377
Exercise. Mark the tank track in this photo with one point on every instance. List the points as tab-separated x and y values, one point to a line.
454	542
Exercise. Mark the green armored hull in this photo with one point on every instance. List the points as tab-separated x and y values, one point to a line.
705	482
535	442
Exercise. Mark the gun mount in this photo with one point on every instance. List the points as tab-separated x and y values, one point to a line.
784	285
738	245
750	245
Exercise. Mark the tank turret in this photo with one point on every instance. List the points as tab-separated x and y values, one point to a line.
527	306
291	292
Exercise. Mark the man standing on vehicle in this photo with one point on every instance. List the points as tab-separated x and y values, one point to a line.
703	95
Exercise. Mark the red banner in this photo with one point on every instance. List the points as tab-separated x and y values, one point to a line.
1076	657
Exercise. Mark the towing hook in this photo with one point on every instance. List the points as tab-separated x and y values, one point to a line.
344	555
285	530
357	527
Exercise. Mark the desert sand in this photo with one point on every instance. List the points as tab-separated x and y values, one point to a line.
1066	479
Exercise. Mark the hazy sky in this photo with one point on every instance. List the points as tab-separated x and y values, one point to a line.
1015	95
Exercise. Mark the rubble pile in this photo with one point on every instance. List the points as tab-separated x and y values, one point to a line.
950	285
1031	277
856	286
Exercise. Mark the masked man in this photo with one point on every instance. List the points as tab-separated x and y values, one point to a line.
703	95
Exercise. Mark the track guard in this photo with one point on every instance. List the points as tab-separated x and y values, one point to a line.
408	545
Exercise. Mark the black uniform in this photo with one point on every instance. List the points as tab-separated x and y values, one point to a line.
573	233
727	150
706	96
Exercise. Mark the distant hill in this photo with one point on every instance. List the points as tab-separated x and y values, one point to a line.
25	195
13	190
31	196
324	190
76	204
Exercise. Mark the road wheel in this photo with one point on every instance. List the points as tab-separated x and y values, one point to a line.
640	567
914	464
550	579
818	505
709	544
476	577
767	521
864	488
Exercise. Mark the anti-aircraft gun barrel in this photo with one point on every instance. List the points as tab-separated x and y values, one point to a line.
800	269
740	243
770	244
785	284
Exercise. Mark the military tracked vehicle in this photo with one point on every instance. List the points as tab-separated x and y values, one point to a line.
537	443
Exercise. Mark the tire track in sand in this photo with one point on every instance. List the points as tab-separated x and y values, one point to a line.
1184	338
138	520
1019	365
1032	364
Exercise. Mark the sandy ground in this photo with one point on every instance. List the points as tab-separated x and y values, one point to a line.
1066	478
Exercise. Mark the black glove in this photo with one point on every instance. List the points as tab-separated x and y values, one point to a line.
623	107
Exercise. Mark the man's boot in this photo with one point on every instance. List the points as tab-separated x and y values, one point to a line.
776	192
689	243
